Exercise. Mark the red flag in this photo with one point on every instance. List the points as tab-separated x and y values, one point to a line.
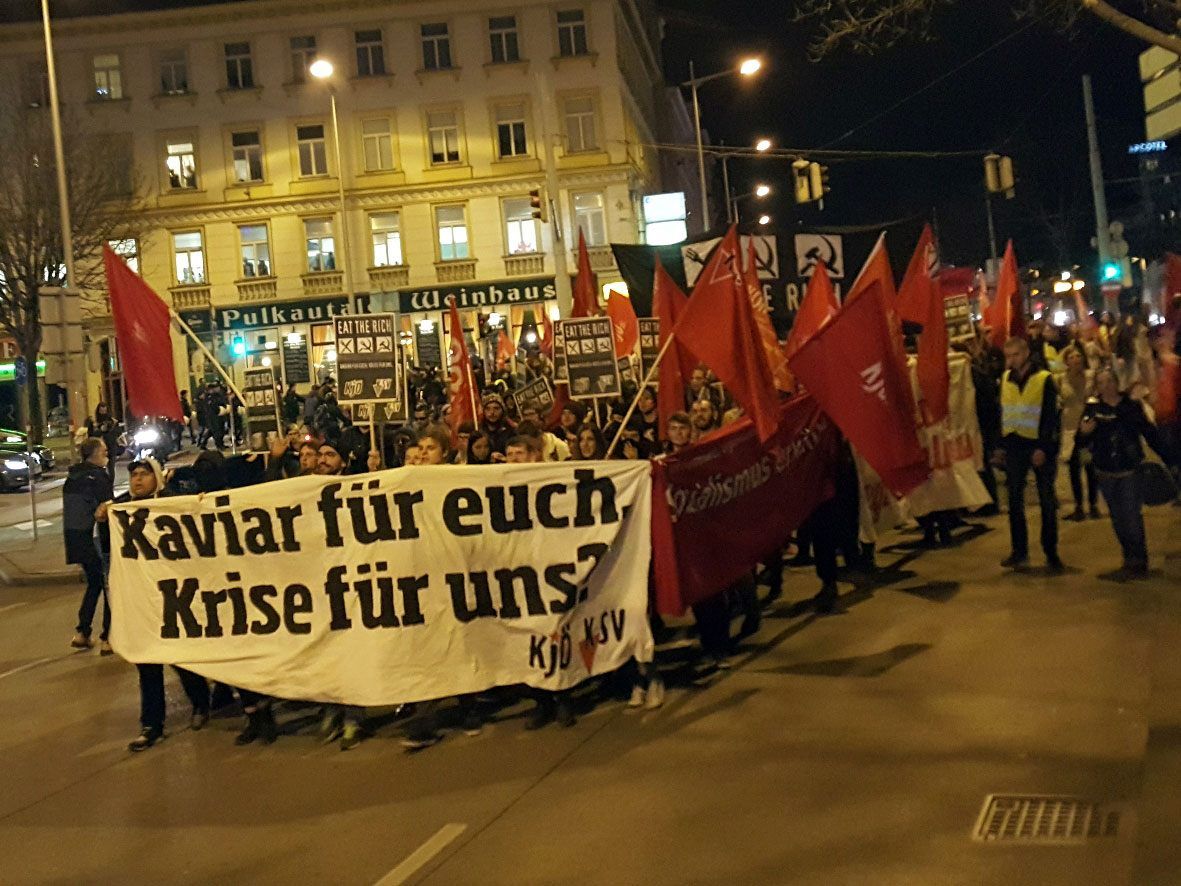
913	295
1087	324
718	327
586	284
547	335
504	350
777	363
1005	314
818	307
623	323
461	382
875	270
668	303
145	347
1169	307
851	368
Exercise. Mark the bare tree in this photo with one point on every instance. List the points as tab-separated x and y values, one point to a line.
102	187
868	25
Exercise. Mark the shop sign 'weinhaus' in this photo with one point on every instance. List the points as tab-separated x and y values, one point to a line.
478	295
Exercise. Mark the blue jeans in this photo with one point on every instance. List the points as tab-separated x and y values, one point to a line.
1122	494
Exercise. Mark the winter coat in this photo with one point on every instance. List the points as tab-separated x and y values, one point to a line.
86	487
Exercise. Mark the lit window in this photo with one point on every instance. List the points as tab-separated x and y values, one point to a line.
313	151
180	163
321	244
443	136
580	124
377	144
387	239
572	32
108	77
128	250
189	250
239	66
436	47
520	226
452	225
174	72
247	147
370	53
590	216
303	53
502	33
510	131
256	250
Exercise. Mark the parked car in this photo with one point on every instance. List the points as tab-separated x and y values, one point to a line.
15	441
14	471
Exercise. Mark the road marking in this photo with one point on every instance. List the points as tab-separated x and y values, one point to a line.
27	526
14	605
417	859
29	665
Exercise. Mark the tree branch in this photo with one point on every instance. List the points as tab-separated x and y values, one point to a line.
1132	25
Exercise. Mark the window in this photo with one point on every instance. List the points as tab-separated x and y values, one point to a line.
502	32
303	53
370	53
128	250
247	148
321	244
436	47
377	144
591	218
387	239
571	32
510	131
180	162
520	226
189	250
174	72
256	250
443	136
108	78
452	225
239	66
580	124
313	154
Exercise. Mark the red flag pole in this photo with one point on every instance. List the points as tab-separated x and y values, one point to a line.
635	401
187	330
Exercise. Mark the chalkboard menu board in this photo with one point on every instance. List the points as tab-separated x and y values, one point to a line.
296	365
428	346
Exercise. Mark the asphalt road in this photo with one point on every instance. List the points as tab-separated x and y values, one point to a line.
856	749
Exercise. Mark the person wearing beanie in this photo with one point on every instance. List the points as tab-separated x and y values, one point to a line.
495	422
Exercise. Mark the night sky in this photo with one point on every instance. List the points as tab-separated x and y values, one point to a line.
1023	98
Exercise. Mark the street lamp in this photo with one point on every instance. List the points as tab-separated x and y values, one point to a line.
764	220
322	70
762	190
749	67
762	145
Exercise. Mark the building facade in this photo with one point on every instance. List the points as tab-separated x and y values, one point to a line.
449	115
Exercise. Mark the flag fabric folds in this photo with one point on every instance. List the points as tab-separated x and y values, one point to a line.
718	327
668	303
504	350
142	324
461	383
818	307
920	300
1006	315
624	324
776	362
852	368
586	284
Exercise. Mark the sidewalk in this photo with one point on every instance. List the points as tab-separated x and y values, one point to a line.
41	562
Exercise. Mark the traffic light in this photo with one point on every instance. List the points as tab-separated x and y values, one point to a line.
998	175
818	180
1111	271
239	346
801	181
537	204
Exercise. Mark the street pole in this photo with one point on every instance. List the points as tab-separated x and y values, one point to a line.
562	286
1102	231
63	203
343	247
700	148
731	207
991	225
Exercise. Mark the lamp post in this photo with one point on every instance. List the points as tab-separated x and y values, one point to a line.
322	70
761	146
761	191
748	68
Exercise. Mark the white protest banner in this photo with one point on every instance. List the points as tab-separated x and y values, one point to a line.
398	586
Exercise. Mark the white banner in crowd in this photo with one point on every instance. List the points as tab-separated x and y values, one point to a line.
398	586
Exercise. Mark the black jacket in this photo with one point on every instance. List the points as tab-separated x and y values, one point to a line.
86	487
1115	443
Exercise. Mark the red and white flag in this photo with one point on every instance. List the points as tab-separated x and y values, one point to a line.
851	367
920	300
719	328
461	381
777	363
142	324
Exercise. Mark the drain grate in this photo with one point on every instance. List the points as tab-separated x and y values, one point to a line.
1042	819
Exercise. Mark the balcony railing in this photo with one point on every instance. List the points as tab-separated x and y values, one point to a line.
455	271
389	277
323	283
257	288
524	265
601	258
190	296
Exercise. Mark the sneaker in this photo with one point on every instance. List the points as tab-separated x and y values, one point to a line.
1013	561
638	697
350	737
1119	575
826	600
81	641
565	714
251	733
146	738
473	723
1054	565
198	720
542	715
1076	516
1136	570
267	730
416	741
330	726
655	694
105	648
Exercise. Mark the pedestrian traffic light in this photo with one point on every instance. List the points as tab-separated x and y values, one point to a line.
998	175
1111	271
239	346
801	181
537	204
818	180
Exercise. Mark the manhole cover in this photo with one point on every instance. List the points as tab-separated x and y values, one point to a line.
1041	819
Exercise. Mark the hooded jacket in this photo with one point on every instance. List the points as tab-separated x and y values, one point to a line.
86	487
104	531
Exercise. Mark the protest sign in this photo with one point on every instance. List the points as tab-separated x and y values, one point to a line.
560	373
537	394
589	346
367	361
262	404
428	345
296	366
391	587
721	506
649	346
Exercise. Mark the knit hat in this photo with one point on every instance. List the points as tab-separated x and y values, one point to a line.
152	465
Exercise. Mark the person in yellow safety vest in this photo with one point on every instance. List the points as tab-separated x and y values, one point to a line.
1030	431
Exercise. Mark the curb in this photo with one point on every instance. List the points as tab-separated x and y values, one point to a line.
13	575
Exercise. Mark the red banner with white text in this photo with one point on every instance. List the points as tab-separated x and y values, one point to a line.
721	506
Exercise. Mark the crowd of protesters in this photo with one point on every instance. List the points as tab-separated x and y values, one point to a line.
1079	396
